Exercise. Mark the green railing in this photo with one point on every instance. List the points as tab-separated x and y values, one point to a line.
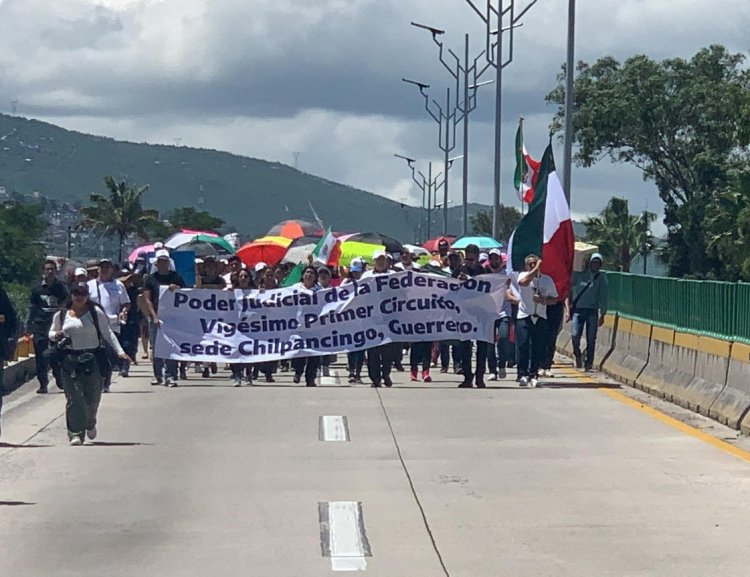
709	308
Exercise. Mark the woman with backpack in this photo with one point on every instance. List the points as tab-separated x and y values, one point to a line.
82	333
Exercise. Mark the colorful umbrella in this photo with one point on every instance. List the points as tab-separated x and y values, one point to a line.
268	249
184	236
432	244
483	242
295	229
389	243
147	248
204	245
299	249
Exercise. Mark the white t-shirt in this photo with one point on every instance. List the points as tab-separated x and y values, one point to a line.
401	266
110	296
371	272
527	307
82	331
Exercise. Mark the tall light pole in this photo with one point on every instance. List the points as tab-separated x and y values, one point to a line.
429	187
447	119
499	16
569	99
466	75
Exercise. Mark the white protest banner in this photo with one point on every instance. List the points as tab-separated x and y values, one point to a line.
258	326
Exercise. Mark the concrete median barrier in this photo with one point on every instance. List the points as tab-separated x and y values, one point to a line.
605	340
621	336
564	341
653	376
629	365
733	403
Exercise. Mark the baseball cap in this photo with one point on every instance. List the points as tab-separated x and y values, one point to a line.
325	270
483	256
105	261
496	252
161	253
443	243
378	253
79	271
597	256
260	266
355	267
356	261
209	258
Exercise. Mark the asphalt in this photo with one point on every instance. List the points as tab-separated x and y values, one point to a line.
211	480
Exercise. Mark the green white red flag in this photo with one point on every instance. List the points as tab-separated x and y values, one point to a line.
546	229
527	169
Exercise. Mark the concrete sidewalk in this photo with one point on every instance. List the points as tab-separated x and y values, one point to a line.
208	479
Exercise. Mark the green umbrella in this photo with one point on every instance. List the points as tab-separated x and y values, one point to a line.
221	246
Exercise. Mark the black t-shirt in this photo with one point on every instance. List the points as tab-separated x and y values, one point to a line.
213	282
156	280
45	301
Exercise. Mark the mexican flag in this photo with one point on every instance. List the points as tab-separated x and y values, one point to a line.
546	229
326	252
527	169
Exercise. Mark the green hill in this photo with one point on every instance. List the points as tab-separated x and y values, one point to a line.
249	194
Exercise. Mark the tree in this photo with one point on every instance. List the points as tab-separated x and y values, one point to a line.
481	222
121	213
683	123
188	217
619	234
727	225
21	252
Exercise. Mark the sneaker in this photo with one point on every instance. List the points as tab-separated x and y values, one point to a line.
524	382
297	378
156	381
481	385
399	368
492	377
91	433
426	377
237	382
375	385
588	369
501	374
352	379
358	380
144	355
105	388
387	381
413	375
248	380
42	390
443	369
465	385
206	373
534	382
75	441
183	375
311	384
170	382
124	374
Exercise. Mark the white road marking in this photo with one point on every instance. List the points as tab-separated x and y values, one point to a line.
333	428
342	534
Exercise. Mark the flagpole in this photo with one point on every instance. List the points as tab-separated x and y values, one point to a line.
569	99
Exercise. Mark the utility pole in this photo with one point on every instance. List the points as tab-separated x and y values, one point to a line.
569	100
68	241
499	16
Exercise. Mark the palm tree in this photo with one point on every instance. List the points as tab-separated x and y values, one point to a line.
120	212
619	234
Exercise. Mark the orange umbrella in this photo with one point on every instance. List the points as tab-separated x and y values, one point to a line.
295	229
268	249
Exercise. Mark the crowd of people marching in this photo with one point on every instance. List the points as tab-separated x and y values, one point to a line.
90	325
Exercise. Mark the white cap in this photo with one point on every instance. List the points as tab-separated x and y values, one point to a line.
260	266
483	256
79	271
161	253
435	263
378	253
224	261
158	245
495	251
356	260
198	261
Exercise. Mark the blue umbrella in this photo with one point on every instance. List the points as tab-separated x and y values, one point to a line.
483	242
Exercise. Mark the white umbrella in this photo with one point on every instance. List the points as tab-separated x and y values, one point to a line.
184	237
416	250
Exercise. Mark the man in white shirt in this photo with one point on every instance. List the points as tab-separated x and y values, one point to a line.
112	296
532	291
406	261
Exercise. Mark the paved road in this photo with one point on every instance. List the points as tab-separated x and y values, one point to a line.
210	480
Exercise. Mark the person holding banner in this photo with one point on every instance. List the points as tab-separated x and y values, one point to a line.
472	268
355	360
241	281
307	365
165	370
533	292
380	358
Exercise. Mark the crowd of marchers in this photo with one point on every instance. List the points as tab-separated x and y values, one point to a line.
100	320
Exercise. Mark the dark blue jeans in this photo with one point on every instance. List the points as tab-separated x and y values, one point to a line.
162	367
498	355
531	345
588	318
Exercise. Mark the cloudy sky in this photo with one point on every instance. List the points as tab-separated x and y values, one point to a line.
268	78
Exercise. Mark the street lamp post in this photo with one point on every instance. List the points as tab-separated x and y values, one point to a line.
569	98
447	119
429	187
466	75
499	17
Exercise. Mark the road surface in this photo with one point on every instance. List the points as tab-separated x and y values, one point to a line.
572	479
